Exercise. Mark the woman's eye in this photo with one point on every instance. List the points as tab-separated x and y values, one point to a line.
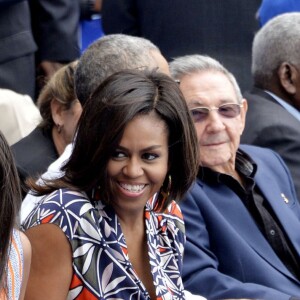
149	156
118	154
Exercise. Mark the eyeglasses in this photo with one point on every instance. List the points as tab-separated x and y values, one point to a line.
228	110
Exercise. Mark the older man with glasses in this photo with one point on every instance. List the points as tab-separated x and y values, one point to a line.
242	216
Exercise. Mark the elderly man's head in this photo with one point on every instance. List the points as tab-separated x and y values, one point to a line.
217	107
276	57
114	53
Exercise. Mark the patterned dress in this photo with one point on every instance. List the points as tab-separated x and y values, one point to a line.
14	269
101	266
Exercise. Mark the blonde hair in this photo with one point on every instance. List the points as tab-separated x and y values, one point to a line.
61	88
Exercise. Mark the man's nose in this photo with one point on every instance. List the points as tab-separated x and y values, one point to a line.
214	121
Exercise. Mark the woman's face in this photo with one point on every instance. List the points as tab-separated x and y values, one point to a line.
139	164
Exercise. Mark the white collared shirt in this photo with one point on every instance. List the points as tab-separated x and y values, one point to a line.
53	171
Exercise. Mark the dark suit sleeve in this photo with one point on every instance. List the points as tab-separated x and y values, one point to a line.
201	273
119	16
55	27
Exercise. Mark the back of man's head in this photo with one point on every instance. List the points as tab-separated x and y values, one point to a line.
276	42
110	54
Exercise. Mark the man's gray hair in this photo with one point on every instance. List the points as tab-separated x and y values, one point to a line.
110	54
191	64
276	42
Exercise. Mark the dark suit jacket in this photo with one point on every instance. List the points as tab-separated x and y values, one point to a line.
34	153
226	255
268	124
221	29
55	28
17	47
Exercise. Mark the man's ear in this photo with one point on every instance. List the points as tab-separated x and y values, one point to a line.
244	109
287	75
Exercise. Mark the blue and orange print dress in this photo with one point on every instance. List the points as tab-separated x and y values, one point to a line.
101	266
14	270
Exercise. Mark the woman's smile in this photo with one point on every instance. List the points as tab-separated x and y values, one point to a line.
132	190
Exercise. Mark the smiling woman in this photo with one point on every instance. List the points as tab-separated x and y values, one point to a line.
110	227
140	163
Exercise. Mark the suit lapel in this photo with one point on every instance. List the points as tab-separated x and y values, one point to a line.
235	212
279	202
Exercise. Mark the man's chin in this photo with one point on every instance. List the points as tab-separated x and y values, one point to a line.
216	163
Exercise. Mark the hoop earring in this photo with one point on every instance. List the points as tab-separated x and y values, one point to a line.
166	192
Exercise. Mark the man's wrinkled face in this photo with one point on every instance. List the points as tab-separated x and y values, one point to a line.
218	134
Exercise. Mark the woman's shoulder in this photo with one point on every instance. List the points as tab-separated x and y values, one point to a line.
63	207
64	200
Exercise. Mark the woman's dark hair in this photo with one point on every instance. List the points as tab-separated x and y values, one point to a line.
119	99
59	87
10	202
